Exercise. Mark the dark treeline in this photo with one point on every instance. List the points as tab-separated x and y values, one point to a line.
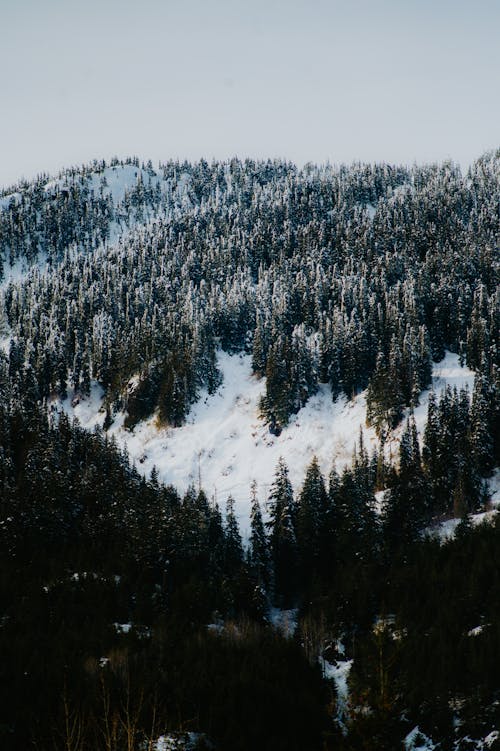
109	583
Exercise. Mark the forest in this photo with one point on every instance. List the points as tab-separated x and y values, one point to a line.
132	610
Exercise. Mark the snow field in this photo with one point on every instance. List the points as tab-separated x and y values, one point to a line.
225	445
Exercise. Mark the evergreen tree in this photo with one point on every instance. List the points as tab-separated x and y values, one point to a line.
357	527
282	538
311	519
233	546
481	441
406	503
258	554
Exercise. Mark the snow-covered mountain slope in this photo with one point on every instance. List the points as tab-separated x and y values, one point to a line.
17	273
117	183
114	180
225	445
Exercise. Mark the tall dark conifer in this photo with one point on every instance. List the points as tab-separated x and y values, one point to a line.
258	554
282	537
406	503
311	520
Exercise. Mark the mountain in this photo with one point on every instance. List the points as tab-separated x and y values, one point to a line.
315	352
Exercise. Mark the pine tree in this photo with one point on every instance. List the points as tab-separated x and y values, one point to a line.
384	399
233	546
311	519
216	542
357	526
481	440
259	348
258	554
282	538
430	445
406	504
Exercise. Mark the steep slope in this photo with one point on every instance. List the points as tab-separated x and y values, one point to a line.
225	444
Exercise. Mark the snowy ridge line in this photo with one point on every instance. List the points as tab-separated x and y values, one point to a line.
114	182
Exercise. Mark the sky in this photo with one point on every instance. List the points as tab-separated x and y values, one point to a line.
305	80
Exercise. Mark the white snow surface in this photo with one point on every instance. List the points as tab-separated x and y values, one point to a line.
339	673
113	180
476	631
225	444
491	738
5	344
123	628
478	744
14	274
8	199
17	273
418	741
177	742
116	181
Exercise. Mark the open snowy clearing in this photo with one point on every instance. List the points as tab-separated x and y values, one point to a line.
225	445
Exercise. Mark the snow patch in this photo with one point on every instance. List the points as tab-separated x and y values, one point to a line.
338	672
284	620
225	444
216	628
122	628
494	488
491	738
418	741
5	344
178	742
17	273
446	530
5	201
380	500
116	181
370	210
475	631
87	410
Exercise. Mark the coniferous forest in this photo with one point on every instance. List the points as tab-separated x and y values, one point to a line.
132	610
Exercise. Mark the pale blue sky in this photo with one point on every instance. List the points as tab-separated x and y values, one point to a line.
316	80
